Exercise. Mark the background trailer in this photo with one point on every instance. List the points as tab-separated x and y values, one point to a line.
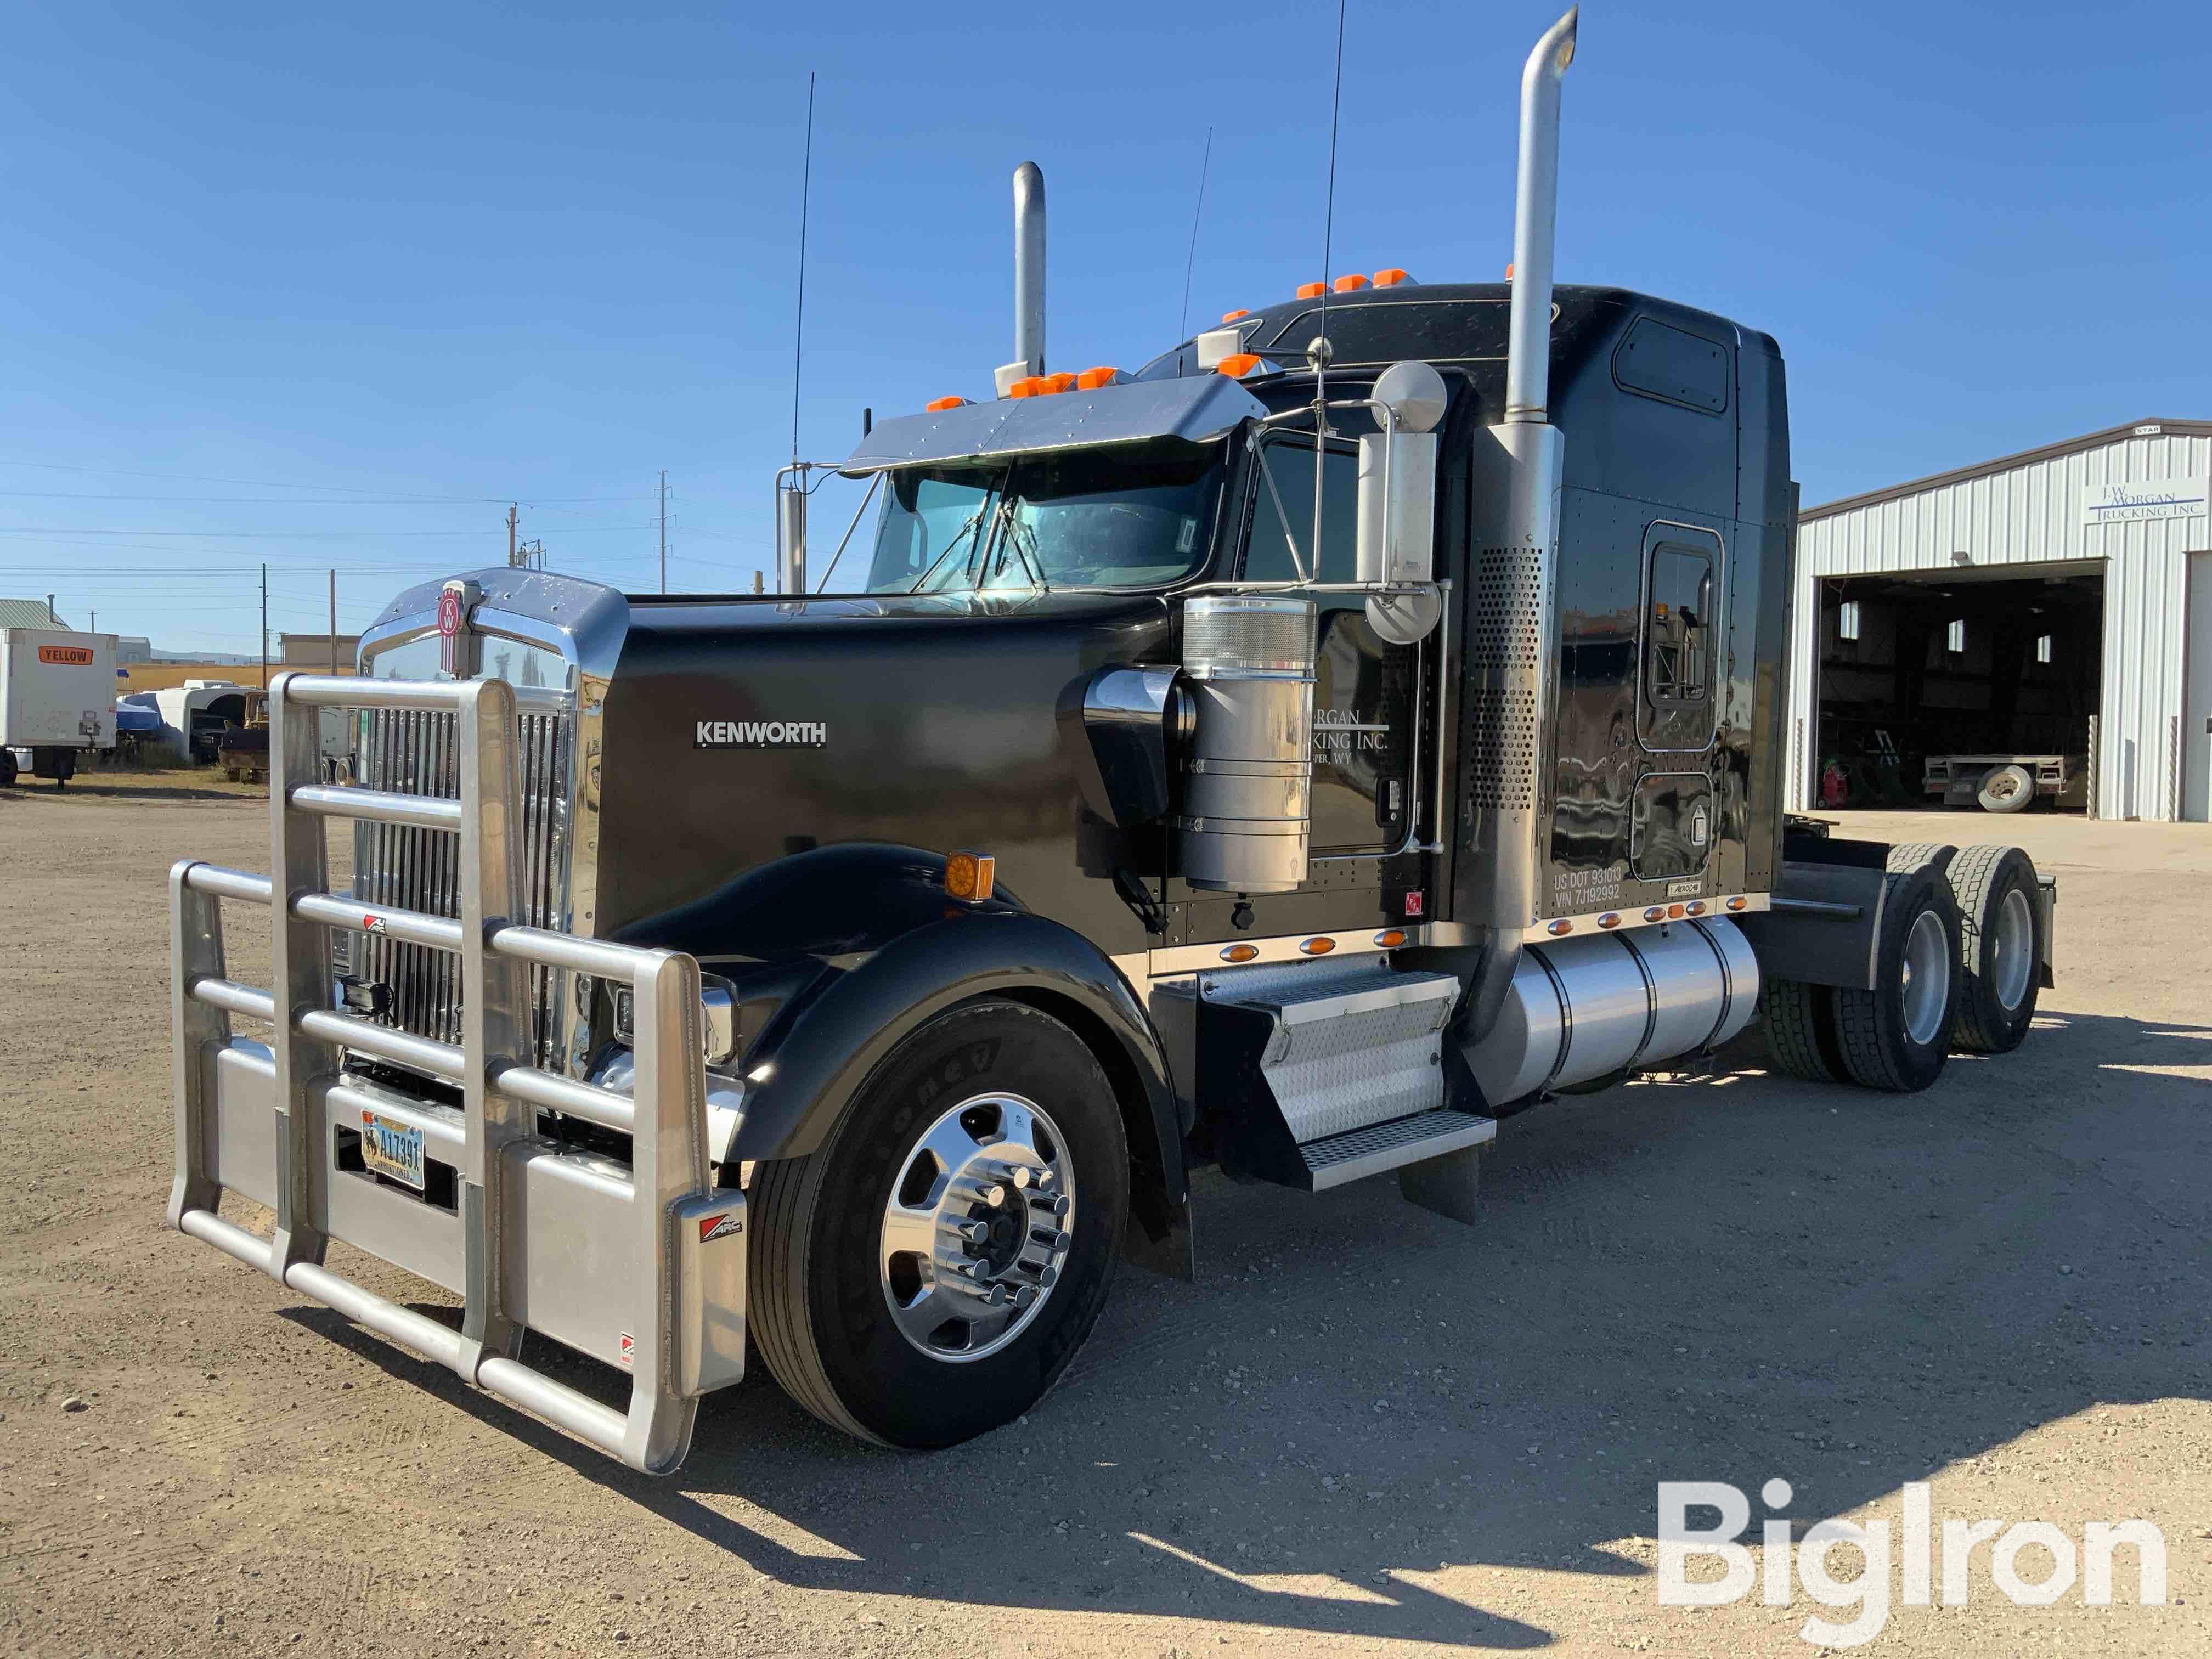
2019	606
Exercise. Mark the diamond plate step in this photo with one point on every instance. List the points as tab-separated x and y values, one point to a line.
1379	1146
1350	1046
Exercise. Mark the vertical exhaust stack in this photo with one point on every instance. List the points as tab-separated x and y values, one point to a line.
1511	633
1535	217
1029	277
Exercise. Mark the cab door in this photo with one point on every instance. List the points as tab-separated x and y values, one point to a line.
1363	686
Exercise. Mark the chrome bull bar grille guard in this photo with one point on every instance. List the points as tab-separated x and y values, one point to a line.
642	1266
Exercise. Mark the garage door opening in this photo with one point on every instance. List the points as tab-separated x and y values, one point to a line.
1960	688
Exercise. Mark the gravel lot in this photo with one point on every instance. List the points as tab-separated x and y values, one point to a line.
1365	1429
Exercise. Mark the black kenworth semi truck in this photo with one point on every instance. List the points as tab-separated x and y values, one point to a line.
1359	724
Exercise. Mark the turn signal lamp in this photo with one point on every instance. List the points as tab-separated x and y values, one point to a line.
1091	379
969	877
1312	290
1391	277
1234	316
936	404
1351	284
1390	937
1240	953
1236	365
1317	947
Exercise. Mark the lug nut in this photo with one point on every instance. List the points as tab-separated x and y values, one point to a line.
1054	1242
972	1268
973	1232
1045	1178
989	1191
1025	1297
1055	1204
1019	1174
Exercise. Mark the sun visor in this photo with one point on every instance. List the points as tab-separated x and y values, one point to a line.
1195	408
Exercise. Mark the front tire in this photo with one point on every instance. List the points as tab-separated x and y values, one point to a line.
878	1304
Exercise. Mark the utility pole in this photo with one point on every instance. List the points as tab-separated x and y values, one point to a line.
334	624
513	516
664	530
95	623
265	627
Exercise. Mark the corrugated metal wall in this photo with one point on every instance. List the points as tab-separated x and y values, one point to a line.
2031	515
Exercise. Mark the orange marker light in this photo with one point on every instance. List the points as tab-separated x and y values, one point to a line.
1509	270
1656	913
1233	316
1351	284
935	405
1738	903
1240	953
969	876
1391	277
1026	388
1091	379
1317	947
1390	937
1561	927
1697	907
1312	290
1610	918
1236	365
1675	911
1050	385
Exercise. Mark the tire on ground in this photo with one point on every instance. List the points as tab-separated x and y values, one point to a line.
2002	920
1801	1031
2006	789
1891	1037
819	1312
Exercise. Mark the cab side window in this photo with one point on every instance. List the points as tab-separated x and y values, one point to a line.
1288	463
1682	618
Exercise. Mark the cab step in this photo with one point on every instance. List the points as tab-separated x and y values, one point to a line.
1339	1071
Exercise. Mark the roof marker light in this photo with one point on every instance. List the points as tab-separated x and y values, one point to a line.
1351	284
1234	316
1391	277
1312	290
1052	384
1091	379
1027	387
1236	365
936	406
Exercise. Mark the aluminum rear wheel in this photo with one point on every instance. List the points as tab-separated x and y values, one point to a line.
977	1226
1926	973
2014	949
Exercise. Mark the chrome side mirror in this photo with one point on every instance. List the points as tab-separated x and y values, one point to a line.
1397	507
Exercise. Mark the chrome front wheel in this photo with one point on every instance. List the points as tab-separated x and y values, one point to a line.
977	1226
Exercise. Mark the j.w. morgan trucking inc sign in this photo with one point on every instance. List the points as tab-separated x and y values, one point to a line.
2142	499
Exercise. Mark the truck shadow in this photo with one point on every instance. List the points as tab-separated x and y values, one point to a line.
1734	1280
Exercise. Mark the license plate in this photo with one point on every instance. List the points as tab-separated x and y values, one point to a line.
391	1148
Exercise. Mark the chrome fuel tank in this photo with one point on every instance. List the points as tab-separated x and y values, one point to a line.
1584	1008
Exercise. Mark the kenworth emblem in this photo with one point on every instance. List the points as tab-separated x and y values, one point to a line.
761	734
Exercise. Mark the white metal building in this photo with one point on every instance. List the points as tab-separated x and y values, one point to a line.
2108	531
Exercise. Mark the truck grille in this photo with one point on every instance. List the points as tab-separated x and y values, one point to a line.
417	752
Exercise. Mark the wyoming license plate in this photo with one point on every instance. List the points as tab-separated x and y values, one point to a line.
391	1148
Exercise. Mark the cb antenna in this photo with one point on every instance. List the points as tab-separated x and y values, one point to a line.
1318	353
799	329
1191	264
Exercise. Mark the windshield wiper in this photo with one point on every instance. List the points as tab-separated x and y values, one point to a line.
938	563
1023	539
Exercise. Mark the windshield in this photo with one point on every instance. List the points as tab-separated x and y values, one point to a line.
1118	518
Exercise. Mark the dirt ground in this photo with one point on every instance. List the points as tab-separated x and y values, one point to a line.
1365	1429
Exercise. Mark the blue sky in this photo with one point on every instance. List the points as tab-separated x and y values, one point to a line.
331	286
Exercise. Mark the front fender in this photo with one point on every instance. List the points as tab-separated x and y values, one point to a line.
825	1044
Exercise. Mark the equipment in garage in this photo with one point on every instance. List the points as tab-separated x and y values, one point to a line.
1974	688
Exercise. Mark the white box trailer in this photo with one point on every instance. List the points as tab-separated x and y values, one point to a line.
57	699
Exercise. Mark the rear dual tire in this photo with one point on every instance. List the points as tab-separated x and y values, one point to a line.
1896	1036
2003	943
